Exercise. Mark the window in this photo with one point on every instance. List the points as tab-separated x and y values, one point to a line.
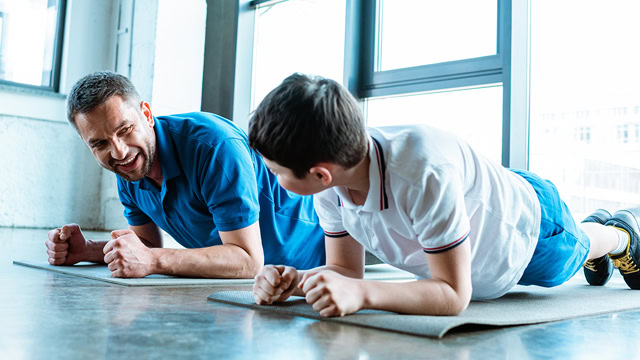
30	38
395	54
465	112
304	36
418	32
623	133
585	77
441	64
1	30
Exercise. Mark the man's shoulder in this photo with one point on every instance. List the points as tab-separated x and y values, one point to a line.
201	127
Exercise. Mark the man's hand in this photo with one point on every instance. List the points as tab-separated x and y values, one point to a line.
127	256
274	283
332	294
67	246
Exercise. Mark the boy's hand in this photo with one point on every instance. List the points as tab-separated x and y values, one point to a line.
332	294
274	283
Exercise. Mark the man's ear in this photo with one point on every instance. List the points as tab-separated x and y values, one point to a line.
146	111
323	173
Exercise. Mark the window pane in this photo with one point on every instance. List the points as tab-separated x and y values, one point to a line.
474	115
419	32
27	41
585	102
304	36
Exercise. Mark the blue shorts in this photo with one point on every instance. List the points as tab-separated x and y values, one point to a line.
562	245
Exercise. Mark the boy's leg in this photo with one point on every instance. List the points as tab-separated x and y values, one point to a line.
628	260
620	239
604	239
598	268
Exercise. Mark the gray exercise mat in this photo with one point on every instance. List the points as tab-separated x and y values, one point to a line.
521	306
101	273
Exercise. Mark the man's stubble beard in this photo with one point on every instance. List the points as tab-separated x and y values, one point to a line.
151	150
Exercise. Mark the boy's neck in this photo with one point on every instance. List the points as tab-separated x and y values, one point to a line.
356	181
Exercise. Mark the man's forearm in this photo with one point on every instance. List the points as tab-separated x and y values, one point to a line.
220	261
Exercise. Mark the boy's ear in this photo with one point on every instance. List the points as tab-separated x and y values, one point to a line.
323	173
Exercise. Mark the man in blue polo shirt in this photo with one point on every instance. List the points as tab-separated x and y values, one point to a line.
192	175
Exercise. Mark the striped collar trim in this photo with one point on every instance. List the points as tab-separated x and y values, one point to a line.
377	198
382	170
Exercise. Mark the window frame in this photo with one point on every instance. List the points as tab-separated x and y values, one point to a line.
512	51
57	55
509	66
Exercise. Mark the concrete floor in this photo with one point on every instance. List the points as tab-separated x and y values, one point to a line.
49	315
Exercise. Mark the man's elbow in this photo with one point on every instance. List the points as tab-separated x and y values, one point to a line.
256	266
254	263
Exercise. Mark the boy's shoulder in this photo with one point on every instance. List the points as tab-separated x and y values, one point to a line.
413	152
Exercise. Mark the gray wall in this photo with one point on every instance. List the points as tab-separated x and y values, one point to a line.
48	177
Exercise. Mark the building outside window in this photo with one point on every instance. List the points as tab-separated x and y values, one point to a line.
591	72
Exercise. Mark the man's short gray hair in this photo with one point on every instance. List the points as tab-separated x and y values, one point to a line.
95	89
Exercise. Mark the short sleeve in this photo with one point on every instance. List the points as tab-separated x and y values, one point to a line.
228	185
438	210
133	214
328	207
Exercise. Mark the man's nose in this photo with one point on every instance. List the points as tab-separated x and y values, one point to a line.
119	149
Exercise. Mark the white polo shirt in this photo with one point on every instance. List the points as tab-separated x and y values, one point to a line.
429	192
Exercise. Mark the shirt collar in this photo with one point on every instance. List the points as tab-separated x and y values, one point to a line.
377	199
166	156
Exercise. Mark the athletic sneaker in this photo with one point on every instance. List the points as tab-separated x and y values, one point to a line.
627	262
598	271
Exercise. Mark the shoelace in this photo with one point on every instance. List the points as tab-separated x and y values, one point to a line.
591	265
626	264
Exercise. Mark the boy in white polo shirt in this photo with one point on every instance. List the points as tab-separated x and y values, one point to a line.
424	201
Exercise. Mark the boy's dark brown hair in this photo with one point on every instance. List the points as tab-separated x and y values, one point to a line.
307	120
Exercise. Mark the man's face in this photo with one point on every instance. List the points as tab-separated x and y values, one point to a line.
120	135
305	186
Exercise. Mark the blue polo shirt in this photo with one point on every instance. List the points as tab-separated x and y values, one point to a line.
212	181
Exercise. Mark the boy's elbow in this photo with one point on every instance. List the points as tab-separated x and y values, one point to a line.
460	305
459	301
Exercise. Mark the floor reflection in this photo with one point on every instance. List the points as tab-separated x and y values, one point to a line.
49	315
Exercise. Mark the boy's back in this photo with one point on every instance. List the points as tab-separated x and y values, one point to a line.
424	201
438	192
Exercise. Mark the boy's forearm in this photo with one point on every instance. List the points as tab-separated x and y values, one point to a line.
339	269
421	297
352	273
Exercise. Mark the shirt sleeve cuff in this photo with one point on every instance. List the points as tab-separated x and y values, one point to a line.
336	234
238	223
